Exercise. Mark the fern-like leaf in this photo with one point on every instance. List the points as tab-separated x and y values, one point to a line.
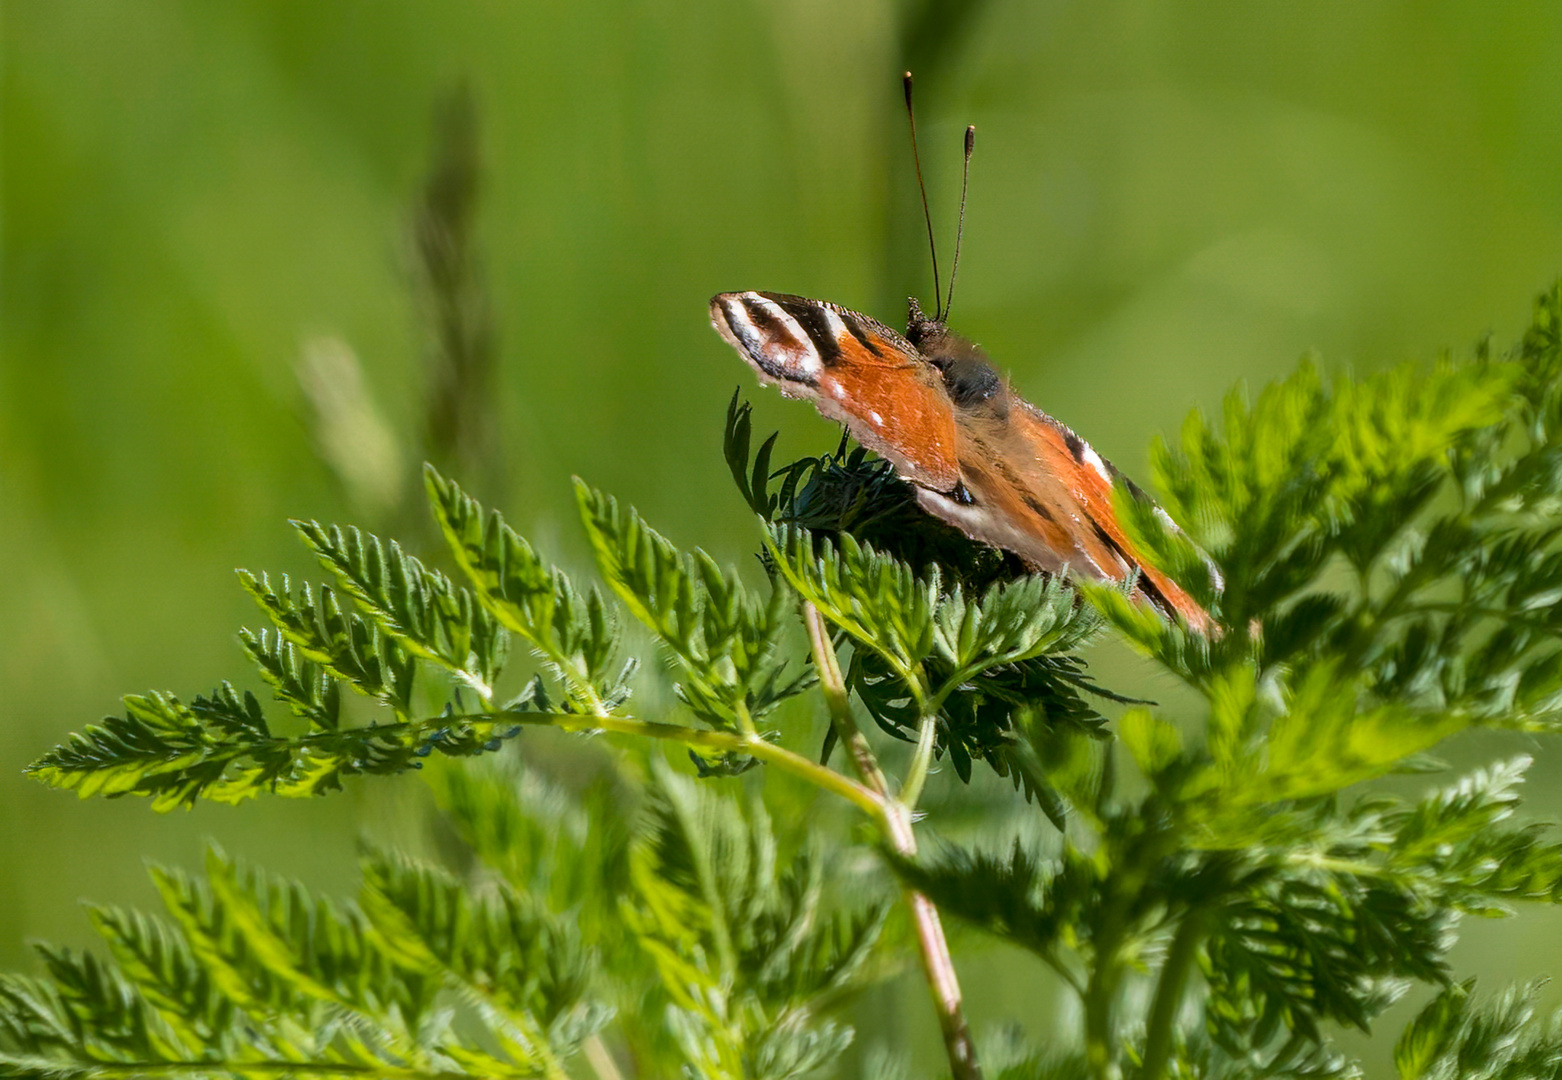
575	633
724	636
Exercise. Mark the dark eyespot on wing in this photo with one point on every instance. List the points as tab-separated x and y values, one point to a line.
962	495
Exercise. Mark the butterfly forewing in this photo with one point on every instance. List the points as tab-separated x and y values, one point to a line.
855	370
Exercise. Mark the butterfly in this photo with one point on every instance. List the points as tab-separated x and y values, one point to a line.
978	455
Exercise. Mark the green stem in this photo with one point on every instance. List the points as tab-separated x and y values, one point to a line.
833	686
895	821
745	721
1101	987
1098	1018
921	762
1169	992
722	742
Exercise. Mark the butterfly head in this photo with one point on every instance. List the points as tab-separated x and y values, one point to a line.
923	332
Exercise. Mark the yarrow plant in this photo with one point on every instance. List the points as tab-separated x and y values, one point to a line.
1217	883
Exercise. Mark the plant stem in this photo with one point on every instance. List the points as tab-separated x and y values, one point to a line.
833	687
895	820
864	798
745	721
1098	1020
601	1062
1101	987
921	762
1169	992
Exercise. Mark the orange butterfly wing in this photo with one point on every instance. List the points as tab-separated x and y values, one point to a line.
855	370
1089	479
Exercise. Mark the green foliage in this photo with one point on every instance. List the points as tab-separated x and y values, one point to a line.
250	974
723	637
389	625
1396	529
574	633
1388	554
430	975
740	941
426	615
221	748
1455	1038
569	848
394	983
349	647
1383	560
984	665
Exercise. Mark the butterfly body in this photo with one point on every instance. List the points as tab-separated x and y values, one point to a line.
978	455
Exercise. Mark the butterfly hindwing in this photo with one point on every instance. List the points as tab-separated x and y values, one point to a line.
1090	481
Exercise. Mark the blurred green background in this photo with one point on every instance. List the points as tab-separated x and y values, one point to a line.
209	228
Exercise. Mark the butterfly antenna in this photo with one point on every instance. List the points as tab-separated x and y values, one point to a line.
965	179
938	301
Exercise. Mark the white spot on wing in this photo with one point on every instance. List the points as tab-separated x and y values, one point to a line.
878	421
1089	456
